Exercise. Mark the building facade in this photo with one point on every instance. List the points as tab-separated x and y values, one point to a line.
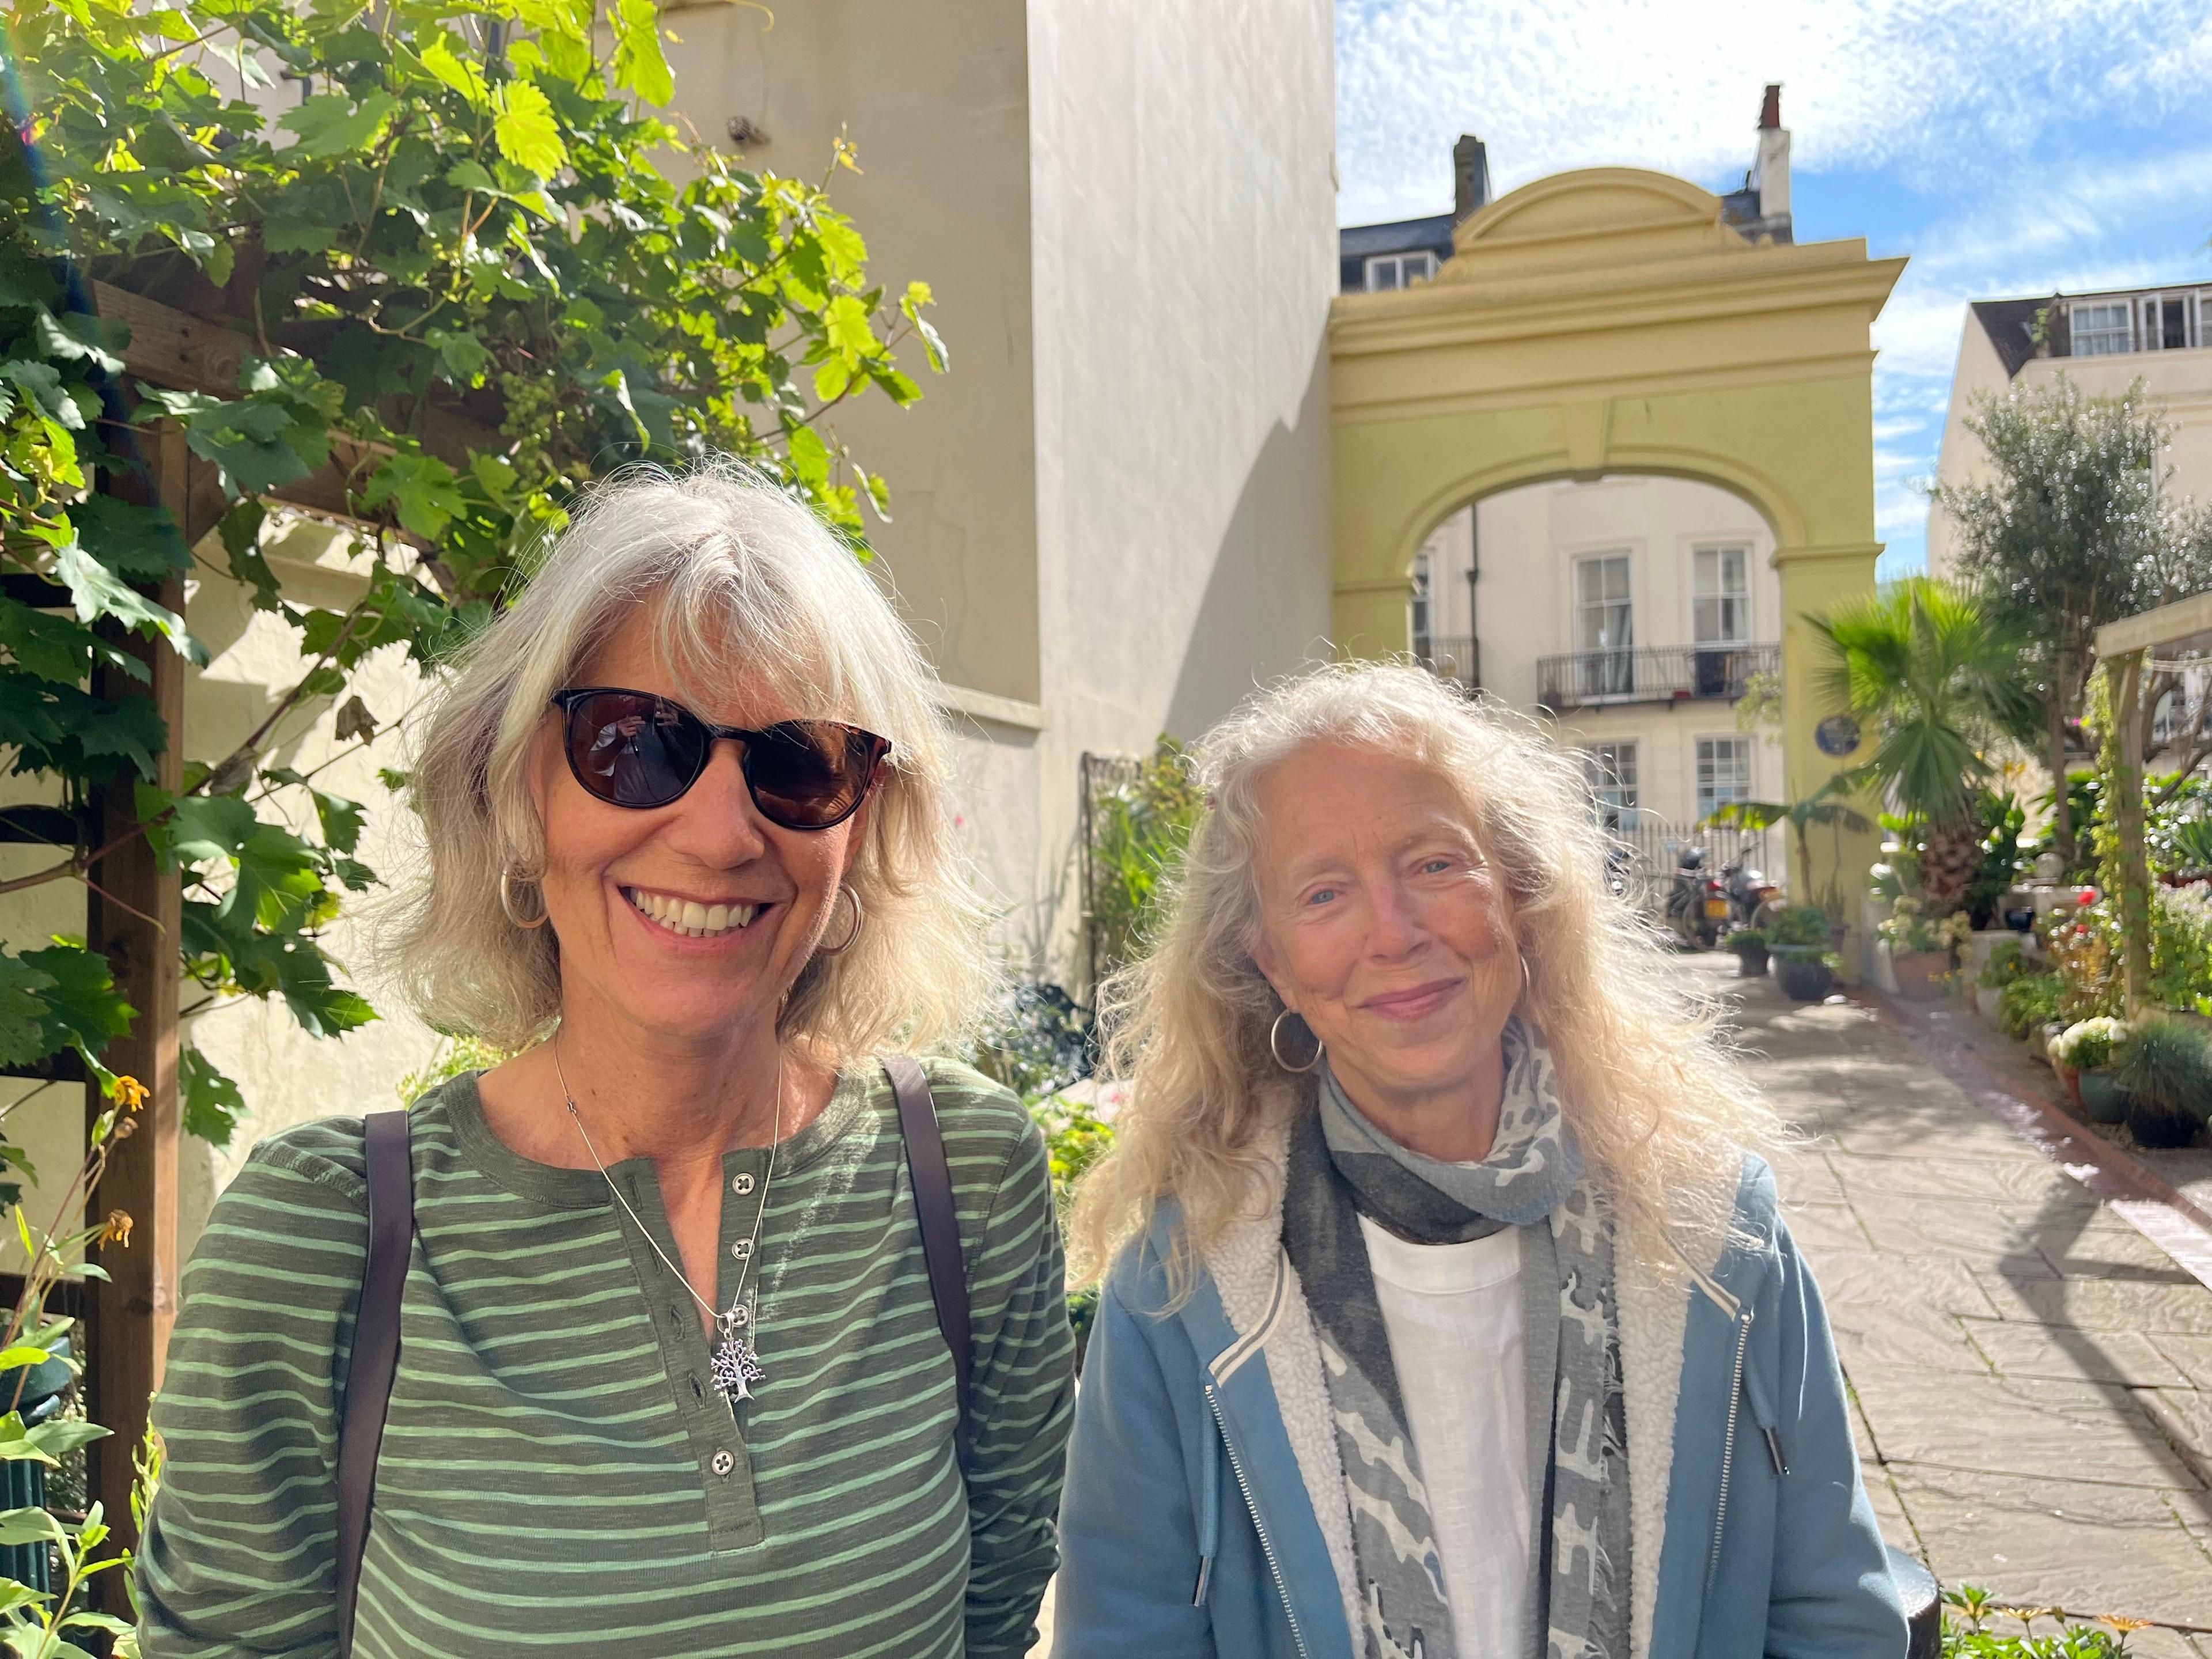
2104	343
1631	613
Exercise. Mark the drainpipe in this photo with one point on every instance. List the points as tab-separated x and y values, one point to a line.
1474	574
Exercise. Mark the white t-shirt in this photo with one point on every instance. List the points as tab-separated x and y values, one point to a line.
1452	1312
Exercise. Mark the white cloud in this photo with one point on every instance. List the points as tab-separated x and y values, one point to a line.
1928	88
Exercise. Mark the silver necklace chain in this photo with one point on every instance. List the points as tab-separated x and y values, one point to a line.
737	1365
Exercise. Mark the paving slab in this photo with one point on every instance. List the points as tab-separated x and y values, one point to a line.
2031	1371
2020	1347
2034	1428
2092	1550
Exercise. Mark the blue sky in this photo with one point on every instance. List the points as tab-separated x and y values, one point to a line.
2010	149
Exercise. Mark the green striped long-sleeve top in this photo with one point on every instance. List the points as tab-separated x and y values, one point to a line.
558	1475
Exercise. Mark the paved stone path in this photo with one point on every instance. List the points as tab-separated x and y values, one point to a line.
2033	1377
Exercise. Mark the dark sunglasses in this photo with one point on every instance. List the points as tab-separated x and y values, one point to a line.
634	749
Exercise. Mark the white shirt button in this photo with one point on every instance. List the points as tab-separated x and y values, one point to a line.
742	1249
723	1462
743	1184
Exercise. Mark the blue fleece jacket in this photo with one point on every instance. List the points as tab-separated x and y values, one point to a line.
1187	1531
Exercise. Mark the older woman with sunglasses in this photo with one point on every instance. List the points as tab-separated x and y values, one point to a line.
675	1372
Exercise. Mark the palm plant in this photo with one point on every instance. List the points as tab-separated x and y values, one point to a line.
1939	675
1823	807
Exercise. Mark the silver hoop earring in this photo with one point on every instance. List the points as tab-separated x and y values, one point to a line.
1275	1047
840	949
1528	982
506	883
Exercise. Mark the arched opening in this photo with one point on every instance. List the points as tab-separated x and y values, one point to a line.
1639	616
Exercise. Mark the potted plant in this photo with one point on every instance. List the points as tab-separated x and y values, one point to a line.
2028	1004
2167	1066
2007	964
1749	944
1920	946
1797	940
2086	1048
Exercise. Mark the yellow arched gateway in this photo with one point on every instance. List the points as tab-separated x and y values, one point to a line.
1610	321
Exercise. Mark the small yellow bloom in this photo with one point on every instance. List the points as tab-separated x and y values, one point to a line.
2125	1626
117	1228
130	1093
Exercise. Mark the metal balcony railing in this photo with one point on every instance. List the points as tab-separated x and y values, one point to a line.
1651	673
1451	658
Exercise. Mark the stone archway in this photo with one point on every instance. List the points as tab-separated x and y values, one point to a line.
1610	321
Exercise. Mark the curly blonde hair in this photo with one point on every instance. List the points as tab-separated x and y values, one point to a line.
1661	1110
733	571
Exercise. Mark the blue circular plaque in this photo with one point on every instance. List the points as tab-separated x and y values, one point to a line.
1837	735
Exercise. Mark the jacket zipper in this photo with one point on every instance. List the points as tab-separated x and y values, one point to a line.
1267	1545
1727	1449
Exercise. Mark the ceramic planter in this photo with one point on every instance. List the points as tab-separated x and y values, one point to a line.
1750	961
1922	974
1989	1003
1801	973
2157	1128
2104	1100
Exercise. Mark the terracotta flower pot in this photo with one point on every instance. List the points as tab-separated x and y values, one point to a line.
2072	1080
1922	974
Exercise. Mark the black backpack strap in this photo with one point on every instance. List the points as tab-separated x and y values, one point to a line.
932	1177
375	1348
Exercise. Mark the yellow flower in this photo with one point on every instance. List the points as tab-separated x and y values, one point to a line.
130	1093
2125	1626
117	1228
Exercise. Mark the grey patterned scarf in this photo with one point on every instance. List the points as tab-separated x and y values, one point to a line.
1341	1167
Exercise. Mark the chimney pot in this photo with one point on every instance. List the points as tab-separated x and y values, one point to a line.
1770	109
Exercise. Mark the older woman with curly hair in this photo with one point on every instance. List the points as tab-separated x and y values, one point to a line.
1449	1311
677	1369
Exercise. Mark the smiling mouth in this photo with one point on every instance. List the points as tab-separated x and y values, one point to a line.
690	918
1397	1004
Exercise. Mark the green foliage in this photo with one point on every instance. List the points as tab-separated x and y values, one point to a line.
2001	820
454	1056
1038	1043
1138	831
1977	1626
2181	949
2030	1002
2088	1045
2006	963
2167	1064
1799	924
1938	674
1745	938
1075	1137
2084	944
464	280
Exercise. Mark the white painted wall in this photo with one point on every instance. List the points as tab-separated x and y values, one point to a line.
1185	225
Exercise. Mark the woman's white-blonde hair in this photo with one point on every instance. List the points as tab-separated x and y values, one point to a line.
739	580
1661	1112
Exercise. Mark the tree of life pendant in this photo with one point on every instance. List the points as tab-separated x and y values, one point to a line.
737	1363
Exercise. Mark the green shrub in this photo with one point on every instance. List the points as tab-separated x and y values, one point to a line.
1038	1041
2088	1045
2181	948
2006	963
2167	1063
1745	938
453	1056
1799	924
2030	1001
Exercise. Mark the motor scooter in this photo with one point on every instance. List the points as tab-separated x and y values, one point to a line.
1753	900
1697	903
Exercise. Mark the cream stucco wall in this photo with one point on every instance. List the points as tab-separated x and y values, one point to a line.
2178	384
1186	235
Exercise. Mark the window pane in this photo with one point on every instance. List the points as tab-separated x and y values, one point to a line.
1382	274
1723	772
2101	330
